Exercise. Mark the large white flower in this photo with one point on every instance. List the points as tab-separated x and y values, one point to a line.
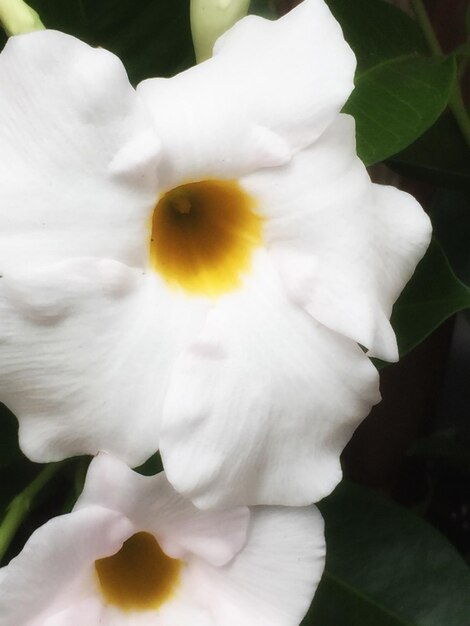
193	266
133	552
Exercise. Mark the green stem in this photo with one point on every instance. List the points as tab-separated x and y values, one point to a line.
20	506
426	26
456	101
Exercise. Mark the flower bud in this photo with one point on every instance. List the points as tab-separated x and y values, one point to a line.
210	19
18	18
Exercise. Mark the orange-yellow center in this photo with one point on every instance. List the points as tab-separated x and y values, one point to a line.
140	576
203	236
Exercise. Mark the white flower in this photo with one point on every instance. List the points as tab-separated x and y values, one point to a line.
134	553
190	267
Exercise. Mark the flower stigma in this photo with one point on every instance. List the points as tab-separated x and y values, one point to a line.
140	576
203	236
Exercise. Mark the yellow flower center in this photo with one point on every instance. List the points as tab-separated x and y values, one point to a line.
140	576
203	236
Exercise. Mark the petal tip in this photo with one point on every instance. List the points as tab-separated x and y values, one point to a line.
138	156
273	150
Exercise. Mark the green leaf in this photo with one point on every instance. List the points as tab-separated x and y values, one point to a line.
395	102
151	37
400	92
386	567
427	160
377	31
433	294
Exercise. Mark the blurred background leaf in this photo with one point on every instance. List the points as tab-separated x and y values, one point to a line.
440	156
151	37
386	567
433	294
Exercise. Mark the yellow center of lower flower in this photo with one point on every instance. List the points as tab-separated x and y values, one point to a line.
140	576
203	236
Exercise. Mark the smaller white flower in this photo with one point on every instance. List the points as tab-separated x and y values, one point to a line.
134	552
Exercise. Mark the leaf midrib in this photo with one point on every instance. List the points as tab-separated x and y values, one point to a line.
401	57
354	591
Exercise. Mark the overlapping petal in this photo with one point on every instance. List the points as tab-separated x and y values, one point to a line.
86	350
244	588
53	581
155	506
345	247
261	381
270	89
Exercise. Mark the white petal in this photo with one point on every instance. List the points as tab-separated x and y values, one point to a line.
260	406
88	611
78	151
46	576
288	78
345	247
153	505
86	348
273	580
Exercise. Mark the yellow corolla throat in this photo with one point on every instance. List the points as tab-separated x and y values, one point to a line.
140	576
204	235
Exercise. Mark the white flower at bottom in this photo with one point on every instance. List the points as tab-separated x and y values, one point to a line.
133	552
204	255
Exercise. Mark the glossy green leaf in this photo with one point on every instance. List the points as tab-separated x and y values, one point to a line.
395	102
386	567
433	294
151	37
400	92
377	31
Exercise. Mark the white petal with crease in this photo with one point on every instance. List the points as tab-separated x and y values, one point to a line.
86	348
286	540
345	247
154	505
262	403
78	178
291	76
